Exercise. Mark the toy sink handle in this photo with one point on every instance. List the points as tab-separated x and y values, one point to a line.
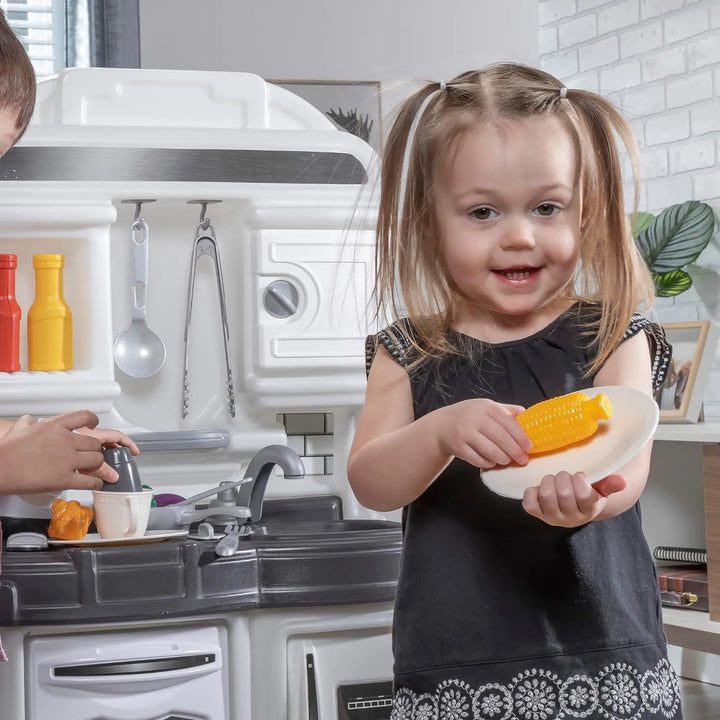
214	491
178	517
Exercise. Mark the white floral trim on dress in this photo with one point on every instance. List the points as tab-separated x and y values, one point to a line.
618	692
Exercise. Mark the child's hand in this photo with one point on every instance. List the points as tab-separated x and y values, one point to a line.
484	433
49	457
568	500
109	438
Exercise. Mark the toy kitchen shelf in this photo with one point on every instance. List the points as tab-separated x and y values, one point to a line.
703	432
692	628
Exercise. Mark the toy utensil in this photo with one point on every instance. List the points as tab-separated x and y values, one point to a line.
205	244
139	351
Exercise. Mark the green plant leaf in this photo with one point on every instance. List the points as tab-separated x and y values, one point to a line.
676	236
641	220
672	283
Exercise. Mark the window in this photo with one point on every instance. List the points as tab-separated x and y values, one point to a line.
40	25
76	33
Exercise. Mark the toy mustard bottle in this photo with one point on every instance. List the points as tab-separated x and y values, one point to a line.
10	314
50	343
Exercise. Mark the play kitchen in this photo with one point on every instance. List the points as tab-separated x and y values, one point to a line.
257	590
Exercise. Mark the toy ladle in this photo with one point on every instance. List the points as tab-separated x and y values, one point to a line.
139	351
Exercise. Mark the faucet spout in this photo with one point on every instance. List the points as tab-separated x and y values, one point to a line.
252	493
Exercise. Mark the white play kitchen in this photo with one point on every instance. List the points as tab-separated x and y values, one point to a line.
217	236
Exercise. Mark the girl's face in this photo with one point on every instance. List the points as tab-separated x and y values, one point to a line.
509	213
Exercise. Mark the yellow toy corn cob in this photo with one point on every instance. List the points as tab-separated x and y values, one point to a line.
561	421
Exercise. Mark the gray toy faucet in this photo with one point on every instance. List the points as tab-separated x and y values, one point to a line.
252	493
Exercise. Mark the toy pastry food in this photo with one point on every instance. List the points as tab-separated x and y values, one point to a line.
69	520
560	421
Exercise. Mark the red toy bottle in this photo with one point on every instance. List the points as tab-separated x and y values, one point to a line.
10	314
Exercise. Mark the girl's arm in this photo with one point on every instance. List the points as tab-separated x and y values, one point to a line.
570	501
394	458
629	365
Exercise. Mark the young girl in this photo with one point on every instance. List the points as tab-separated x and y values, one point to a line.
502	233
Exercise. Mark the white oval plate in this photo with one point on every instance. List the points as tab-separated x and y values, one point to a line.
617	440
93	539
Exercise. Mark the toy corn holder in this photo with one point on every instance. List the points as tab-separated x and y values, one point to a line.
564	420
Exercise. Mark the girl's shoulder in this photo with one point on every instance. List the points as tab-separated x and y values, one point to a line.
397	339
660	348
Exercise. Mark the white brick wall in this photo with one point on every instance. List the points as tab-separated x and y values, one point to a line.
659	61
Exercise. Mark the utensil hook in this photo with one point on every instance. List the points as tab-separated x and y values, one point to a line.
204	221
137	220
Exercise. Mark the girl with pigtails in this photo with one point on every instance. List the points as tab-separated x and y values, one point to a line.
505	259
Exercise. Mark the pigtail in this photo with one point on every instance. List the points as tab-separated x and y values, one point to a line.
612	271
390	248
405	252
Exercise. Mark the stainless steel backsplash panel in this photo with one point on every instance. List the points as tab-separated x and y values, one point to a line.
97	164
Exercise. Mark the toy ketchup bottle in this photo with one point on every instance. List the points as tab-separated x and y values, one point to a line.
49	321
10	314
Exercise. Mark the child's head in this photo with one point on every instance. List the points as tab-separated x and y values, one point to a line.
17	87
432	130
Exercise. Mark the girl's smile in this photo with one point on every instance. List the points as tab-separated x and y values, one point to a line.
517	275
509	214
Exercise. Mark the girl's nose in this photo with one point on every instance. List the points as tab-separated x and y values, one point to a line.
518	235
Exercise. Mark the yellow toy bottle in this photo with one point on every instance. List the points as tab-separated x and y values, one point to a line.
49	322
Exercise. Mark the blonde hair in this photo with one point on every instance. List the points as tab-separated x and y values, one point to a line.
408	254
17	77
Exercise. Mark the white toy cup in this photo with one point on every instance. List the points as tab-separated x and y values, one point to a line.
121	514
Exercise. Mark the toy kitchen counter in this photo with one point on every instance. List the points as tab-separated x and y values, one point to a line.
323	562
294	624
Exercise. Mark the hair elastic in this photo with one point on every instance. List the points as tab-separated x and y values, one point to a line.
563	92
409	143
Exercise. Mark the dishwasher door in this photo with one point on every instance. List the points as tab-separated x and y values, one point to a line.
340	676
170	674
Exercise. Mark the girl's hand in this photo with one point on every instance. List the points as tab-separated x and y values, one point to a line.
484	433
566	500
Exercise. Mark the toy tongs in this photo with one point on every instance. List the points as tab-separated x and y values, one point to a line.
205	244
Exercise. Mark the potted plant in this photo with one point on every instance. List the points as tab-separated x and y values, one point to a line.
671	242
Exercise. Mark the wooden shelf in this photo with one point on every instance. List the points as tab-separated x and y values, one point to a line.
689	620
691	629
703	432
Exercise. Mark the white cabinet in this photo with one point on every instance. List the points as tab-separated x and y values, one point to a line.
81	232
307	296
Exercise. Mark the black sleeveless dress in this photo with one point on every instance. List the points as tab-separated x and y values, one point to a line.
499	616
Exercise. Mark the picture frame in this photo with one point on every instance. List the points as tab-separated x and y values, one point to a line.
354	106
680	399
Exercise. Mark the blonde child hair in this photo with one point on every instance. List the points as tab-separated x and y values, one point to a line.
409	269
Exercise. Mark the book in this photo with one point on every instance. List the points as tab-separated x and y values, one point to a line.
675	554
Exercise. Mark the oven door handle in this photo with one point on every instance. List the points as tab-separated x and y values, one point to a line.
131	674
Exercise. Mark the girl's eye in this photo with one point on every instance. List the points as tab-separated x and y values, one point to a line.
483	213
546	209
